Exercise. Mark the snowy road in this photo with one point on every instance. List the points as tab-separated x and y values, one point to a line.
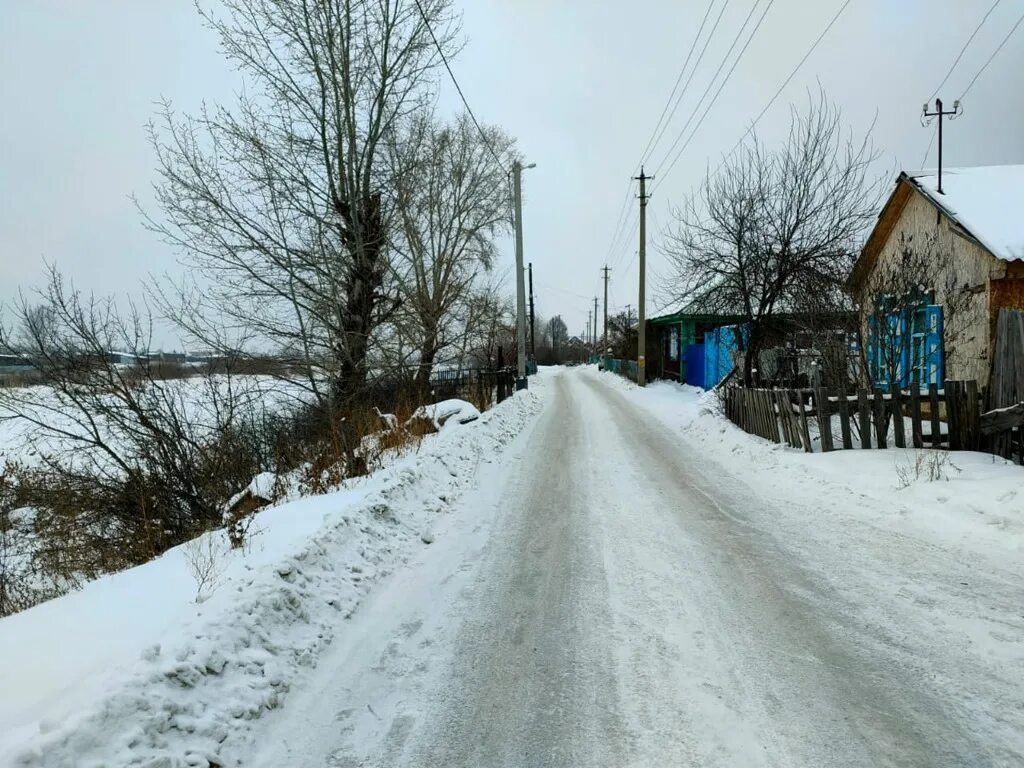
609	597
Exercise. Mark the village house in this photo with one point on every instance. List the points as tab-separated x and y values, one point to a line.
936	270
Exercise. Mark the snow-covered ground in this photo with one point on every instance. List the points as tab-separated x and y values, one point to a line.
131	669
618	577
970	501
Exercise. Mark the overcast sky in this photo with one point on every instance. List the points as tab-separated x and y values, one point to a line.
580	83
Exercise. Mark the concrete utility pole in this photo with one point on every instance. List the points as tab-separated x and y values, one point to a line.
595	325
604	338
641	361
517	189
533	339
955	112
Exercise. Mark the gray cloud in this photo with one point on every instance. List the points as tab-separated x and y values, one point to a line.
579	82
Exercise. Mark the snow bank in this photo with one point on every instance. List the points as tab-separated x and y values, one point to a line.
963	500
131	671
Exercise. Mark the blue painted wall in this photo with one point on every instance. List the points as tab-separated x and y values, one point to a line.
719	345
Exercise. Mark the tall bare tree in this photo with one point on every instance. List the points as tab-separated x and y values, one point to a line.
280	202
775	226
452	199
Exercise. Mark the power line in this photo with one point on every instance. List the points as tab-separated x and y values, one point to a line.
621	220
719	91
928	151
437	45
622	242
962	50
652	142
711	84
785	82
994	53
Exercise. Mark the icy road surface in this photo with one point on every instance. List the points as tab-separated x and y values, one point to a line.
610	597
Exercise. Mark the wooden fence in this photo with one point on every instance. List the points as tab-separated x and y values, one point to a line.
483	387
949	418
1007	385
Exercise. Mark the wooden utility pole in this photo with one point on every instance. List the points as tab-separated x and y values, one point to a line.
641	372
533	340
586	334
595	324
604	341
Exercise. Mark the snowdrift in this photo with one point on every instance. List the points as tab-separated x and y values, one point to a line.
132	671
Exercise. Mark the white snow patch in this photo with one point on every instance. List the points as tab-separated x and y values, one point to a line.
447	412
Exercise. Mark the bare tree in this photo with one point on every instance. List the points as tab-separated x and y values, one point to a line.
775	226
452	199
126	463
280	203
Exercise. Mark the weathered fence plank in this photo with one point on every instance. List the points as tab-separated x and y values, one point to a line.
865	418
881	418
824	419
844	420
973	415
804	431
915	416
898	432
953	415
933	405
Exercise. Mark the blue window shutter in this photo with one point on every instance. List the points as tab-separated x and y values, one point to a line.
934	357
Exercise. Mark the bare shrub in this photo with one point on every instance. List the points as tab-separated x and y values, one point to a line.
931	466
206	562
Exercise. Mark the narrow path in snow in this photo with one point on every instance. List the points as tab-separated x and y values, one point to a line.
606	598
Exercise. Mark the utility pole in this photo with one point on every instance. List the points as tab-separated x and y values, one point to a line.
604	340
595	325
586	334
939	113
517	189
641	361
533	339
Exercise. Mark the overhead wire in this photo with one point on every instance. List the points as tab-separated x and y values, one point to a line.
620	232
721	86
656	135
711	84
451	74
785	82
962	50
990	58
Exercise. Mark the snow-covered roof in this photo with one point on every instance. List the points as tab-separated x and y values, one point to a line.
987	201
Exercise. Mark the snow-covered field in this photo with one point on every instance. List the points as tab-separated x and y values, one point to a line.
131	669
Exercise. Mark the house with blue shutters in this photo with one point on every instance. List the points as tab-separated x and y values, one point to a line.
942	260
